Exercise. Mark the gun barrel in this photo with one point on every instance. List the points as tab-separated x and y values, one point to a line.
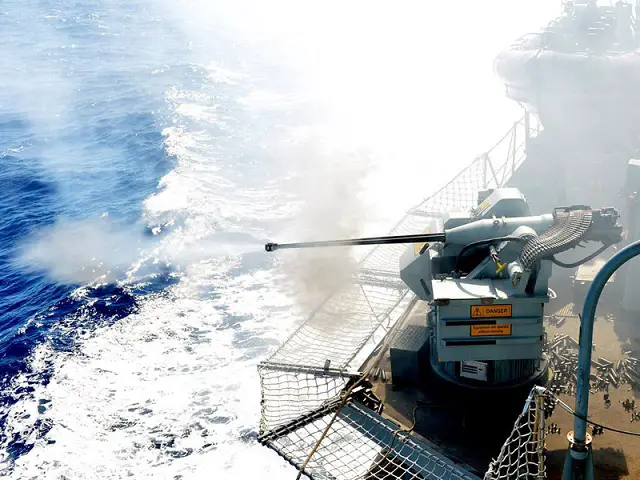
393	239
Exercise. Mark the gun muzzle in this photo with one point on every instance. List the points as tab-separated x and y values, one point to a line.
270	247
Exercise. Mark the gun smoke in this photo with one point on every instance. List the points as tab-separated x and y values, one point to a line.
102	251
329	186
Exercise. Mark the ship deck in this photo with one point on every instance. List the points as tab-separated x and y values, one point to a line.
302	421
470	427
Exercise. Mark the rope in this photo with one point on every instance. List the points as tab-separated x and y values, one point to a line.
346	395
335	415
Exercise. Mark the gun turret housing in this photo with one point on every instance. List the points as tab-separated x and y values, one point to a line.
486	277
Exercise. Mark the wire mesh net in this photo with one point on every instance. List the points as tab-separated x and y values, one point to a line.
313	366
299	392
361	445
522	455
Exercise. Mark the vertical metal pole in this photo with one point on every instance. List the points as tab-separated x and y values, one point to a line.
484	171
539	432
579	450
514	147
527	132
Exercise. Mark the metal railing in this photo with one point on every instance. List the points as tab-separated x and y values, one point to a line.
315	364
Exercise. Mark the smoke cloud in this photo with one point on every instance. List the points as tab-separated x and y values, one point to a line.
329	187
102	251
82	251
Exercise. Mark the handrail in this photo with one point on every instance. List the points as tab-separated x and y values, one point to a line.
579	461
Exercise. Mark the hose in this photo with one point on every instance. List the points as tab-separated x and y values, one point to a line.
565	233
582	261
488	241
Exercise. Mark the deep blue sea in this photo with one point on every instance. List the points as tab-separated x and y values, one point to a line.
148	149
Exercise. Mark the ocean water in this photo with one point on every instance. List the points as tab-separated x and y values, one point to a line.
148	150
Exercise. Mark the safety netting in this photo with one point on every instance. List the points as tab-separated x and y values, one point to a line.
313	367
360	445
522	455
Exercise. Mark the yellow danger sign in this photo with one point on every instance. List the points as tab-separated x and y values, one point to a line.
485	204
495	330
490	311
417	247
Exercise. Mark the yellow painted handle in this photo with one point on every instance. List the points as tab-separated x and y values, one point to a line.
500	267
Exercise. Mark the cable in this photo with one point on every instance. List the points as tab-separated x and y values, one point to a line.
488	241
568	229
604	427
389	447
413	424
580	262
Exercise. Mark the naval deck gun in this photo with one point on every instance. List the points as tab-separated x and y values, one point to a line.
486	280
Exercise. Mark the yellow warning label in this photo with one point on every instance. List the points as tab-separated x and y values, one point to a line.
496	330
490	311
418	246
485	204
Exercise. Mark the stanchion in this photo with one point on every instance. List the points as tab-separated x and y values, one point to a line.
579	461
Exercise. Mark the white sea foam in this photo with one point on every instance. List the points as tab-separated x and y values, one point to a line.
172	391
